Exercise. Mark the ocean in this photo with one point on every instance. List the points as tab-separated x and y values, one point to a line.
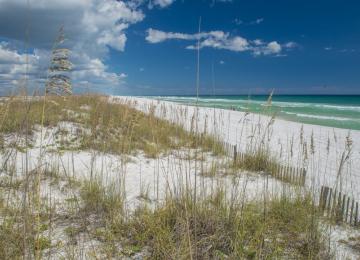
334	111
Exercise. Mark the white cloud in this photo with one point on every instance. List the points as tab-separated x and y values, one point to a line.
220	40
222	62
44	4
14	66
220	1
10	56
114	38
12	63
273	47
290	45
258	42
91	27
237	21
156	36
257	21
160	3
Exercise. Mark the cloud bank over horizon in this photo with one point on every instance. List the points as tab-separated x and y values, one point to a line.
92	27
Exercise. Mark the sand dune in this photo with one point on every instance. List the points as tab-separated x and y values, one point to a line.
287	141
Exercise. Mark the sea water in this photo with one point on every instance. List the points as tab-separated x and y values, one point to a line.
334	111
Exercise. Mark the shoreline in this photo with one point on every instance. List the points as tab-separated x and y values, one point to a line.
235	127
324	111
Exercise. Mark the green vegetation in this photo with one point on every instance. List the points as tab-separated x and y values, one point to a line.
54	208
211	227
115	128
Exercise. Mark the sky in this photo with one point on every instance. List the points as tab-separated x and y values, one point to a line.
143	47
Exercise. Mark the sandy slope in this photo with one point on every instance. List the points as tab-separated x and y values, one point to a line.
237	128
161	175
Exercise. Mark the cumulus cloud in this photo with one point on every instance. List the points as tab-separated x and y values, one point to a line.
156	36
258	42
220	1
271	48
221	40
14	64
257	21
237	21
91	27
291	45
160	3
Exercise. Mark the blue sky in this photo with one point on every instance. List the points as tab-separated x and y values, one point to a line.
149	48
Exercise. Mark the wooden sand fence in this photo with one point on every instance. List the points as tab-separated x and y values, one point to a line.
286	173
338	206
332	203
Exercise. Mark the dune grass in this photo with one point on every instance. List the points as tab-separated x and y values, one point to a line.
189	225
114	127
212	227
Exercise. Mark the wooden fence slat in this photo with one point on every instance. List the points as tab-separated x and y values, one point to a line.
321	198
352	212
289	174
327	189
333	206
337	205
235	154
343	207
347	210
294	175
303	176
329	202
356	214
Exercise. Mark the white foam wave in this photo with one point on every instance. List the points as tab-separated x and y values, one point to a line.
282	104
322	117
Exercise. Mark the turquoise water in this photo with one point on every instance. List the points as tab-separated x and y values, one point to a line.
334	111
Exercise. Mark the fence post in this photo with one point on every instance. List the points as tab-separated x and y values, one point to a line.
347	210
235	154
326	192
333	206
321	198
352	211
343	208
303	176
338	207
329	203
288	175
356	214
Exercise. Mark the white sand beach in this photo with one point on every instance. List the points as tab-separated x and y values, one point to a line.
151	180
237	128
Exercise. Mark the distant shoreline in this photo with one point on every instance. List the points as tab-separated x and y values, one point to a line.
284	132
332	111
